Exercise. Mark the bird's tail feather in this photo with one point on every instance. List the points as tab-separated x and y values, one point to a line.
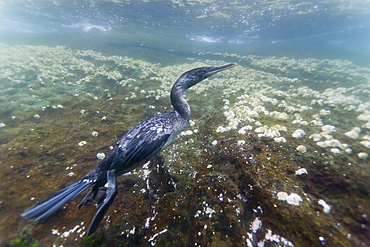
48	206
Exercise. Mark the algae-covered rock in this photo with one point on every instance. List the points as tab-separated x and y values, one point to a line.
275	153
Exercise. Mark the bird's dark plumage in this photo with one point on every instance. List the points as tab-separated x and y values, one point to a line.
135	148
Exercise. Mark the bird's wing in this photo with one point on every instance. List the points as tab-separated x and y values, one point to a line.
138	148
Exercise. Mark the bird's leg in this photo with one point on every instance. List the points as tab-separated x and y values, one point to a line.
100	196
111	193
89	196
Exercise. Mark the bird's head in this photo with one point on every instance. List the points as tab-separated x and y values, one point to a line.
192	77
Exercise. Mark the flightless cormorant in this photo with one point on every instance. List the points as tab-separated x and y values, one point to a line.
135	148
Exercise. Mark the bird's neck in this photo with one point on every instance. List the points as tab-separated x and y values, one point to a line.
179	103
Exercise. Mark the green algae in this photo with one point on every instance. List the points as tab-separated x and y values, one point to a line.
22	240
208	188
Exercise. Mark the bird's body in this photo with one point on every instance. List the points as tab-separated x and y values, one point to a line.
139	145
134	149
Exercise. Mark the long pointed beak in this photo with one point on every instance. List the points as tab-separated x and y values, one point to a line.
214	70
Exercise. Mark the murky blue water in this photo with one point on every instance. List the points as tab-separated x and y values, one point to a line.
277	153
324	29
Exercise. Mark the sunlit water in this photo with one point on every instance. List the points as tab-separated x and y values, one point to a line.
276	154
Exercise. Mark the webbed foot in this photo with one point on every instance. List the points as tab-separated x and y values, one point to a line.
87	198
110	194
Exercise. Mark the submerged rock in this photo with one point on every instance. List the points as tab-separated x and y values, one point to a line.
233	178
